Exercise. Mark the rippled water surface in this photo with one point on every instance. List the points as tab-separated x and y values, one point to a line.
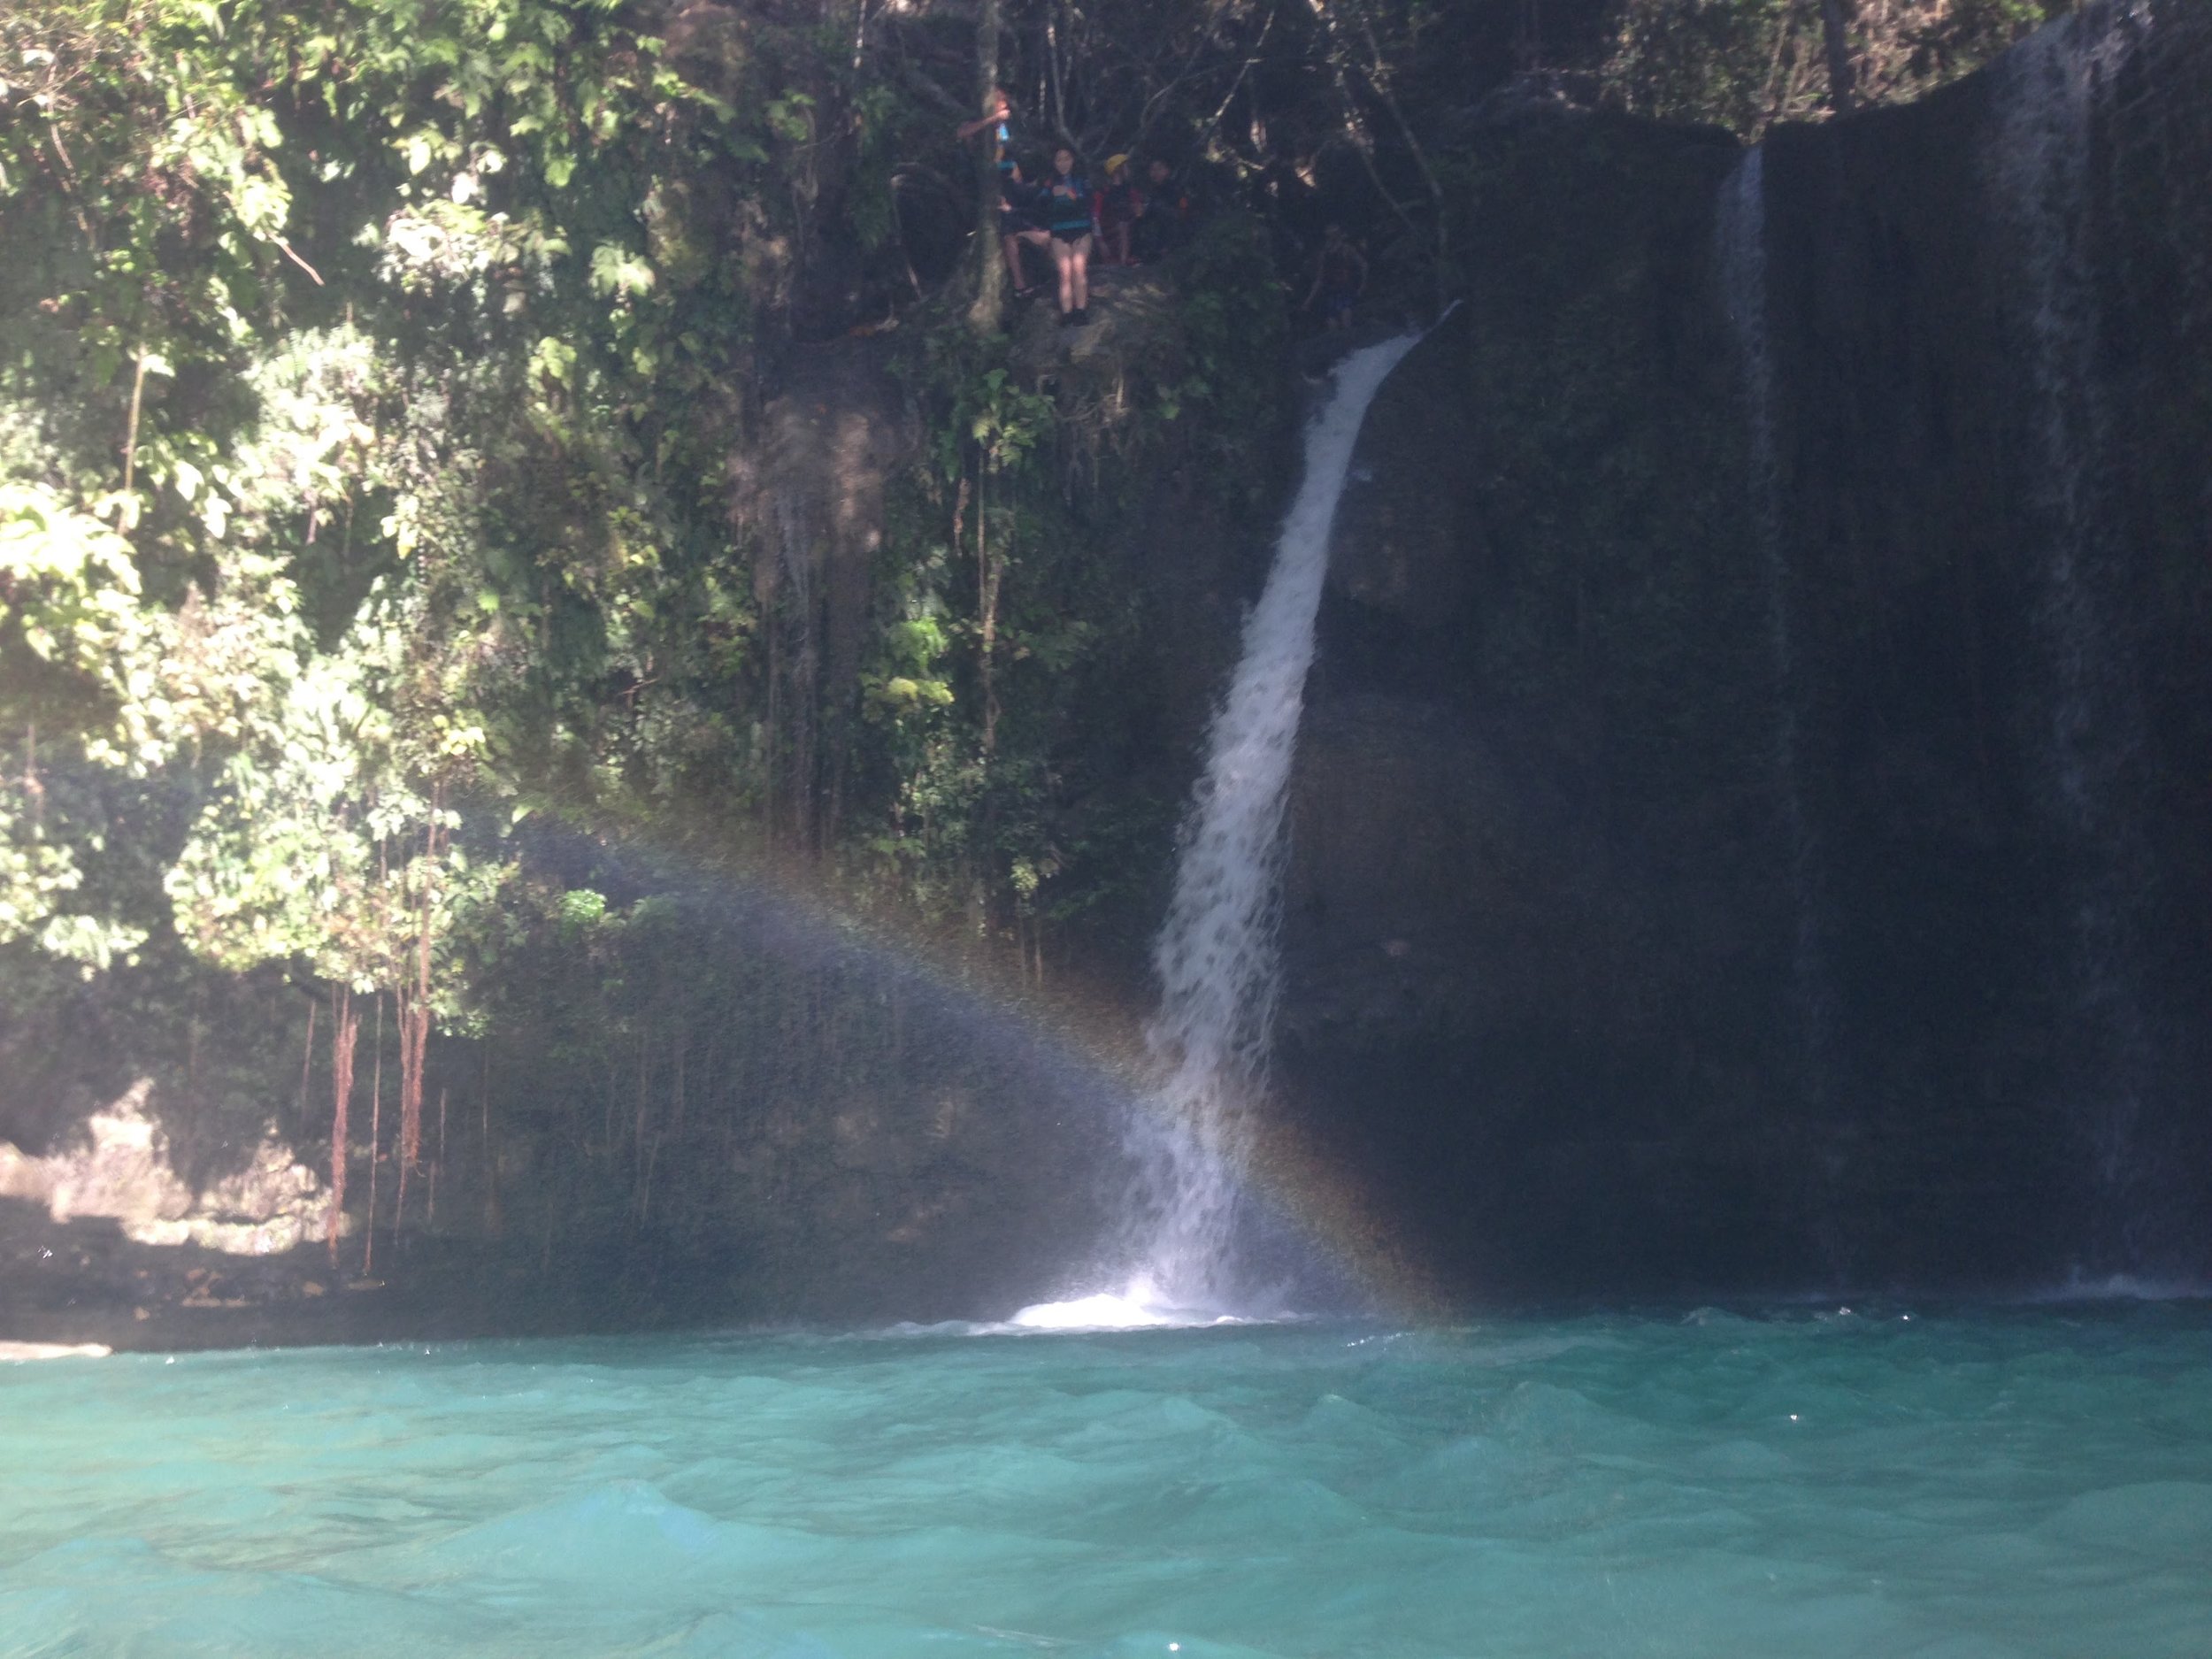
1962	1485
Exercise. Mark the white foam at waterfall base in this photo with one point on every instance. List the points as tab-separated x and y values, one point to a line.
1217	954
1138	1308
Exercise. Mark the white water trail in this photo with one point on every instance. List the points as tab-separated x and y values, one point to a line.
1740	238
2052	91
1217	954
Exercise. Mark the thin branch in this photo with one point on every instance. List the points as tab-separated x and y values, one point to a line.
130	440
1835	30
1150	113
1378	79
286	248
1361	143
1221	109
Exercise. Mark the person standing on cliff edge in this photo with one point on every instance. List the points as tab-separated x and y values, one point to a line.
1014	225
1339	277
1066	206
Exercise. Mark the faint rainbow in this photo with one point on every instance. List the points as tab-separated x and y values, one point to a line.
1093	1027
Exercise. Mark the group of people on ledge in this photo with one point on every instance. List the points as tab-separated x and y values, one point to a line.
1132	221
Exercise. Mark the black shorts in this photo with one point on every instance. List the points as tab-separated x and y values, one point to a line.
1013	217
1071	236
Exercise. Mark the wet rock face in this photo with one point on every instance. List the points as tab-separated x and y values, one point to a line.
808	493
1409	551
1655	919
123	1174
103	1240
1131	347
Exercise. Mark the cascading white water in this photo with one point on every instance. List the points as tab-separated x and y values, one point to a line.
2048	98
1217	953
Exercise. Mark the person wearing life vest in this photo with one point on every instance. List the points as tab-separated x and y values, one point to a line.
1339	277
1015	226
1115	211
1066	204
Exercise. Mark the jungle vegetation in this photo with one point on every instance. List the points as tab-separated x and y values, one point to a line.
370	378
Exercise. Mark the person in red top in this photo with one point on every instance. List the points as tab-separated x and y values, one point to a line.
1115	208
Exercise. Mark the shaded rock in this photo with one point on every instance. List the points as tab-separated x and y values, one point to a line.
1131	349
1411	549
271	1205
808	491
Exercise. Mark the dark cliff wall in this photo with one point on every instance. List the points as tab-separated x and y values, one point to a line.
1696	885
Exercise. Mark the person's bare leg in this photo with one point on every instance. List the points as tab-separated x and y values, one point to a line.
1010	245
1064	256
1079	271
1039	239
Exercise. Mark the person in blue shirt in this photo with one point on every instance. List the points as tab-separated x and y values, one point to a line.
1339	277
1015	226
1066	202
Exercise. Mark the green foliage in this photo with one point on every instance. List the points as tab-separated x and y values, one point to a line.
370	378
293	599
1746	64
1014	604
1237	327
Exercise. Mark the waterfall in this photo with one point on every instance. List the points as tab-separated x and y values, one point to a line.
1217	954
1741	254
1741	250
2052	92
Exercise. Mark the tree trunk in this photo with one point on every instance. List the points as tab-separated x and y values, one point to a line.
414	1028
494	1218
307	1066
345	1027
986	582
990	276
437	1163
404	1006
376	1133
1835	33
